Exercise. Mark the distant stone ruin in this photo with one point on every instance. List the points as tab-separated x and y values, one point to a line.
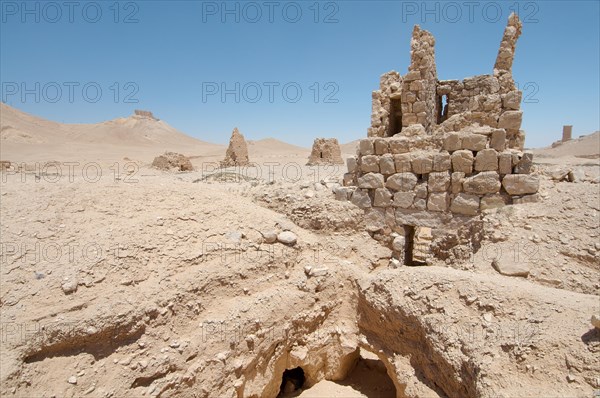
567	134
439	152
145	114
325	151
237	152
171	161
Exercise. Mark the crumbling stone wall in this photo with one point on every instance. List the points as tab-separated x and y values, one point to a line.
237	151
449	105
427	169
325	151
146	114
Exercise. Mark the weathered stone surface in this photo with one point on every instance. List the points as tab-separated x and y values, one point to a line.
381	146
512	100
365	147
421	190
422	163
403	163
172	161
399	243
342	193
442	161
382	198
498	140
413	129
506	53
437	202
456	180
524	165
462	161
371	180
510	120
452	142
352	164
465	204
237	152
521	184
506	265
402	182
482	183
361	198
492	201
403	199
325	151
486	160
505	163
375	219
369	164
399	145
387	165
438	181
419	204
474	142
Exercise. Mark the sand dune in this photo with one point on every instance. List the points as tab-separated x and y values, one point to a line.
587	146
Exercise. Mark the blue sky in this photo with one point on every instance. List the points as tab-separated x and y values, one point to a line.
175	57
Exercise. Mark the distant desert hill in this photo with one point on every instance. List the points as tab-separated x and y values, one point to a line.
587	146
350	147
271	146
27	137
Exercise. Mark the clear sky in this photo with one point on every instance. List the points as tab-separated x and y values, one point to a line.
176	58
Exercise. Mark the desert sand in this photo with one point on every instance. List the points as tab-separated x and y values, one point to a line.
141	282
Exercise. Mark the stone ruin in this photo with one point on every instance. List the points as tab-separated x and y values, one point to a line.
325	151
144	114
237	152
171	161
567	134
439	152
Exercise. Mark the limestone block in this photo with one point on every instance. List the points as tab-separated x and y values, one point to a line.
524	164
381	146
371	180
352	164
492	201
403	163
399	145
403	199
452	142
510	120
402	182
521	184
498	140
462	161
438	181
465	204
442	161
369	163
456	180
474	142
486	160
365	147
437	202
386	164
361	198
482	183
422	163
382	198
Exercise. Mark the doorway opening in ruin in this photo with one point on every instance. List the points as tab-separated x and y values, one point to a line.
395	117
409	238
442	108
291	381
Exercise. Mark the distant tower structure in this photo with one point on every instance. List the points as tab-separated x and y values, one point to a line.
567	133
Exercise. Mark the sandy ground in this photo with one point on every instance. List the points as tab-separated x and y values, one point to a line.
121	280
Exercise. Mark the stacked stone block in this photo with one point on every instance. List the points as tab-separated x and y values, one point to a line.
467	173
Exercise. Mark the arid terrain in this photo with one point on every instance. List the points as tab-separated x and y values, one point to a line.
118	279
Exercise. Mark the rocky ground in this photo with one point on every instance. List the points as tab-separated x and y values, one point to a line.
196	284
